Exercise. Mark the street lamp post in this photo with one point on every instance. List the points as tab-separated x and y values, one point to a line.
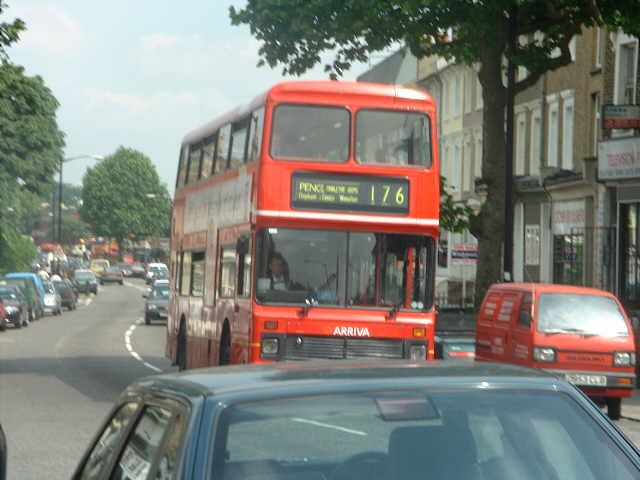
62	162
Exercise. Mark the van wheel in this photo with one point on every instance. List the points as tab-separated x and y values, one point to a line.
181	356
614	408
225	346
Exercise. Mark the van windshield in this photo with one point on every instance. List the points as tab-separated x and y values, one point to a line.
580	314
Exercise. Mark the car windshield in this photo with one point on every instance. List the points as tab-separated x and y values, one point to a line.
61	286
113	270
394	138
306	132
6	294
352	269
160	291
84	276
581	314
48	287
462	434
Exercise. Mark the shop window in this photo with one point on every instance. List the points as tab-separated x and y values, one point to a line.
568	259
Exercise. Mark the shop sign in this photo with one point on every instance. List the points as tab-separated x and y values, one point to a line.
620	116
568	216
532	244
464	254
619	159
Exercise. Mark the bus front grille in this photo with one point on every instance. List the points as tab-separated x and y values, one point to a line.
301	347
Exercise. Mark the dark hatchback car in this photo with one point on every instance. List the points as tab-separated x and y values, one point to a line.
157	304
85	281
15	305
67	293
358	420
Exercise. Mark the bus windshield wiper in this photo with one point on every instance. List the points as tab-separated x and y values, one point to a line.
394	309
309	302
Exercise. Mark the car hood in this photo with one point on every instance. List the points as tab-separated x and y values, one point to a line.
160	302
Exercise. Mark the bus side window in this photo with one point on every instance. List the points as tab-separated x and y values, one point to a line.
243	250
238	144
195	156
255	135
185	274
208	156
222	150
182	169
197	274
227	285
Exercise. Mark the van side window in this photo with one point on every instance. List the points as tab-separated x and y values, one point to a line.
490	307
524	318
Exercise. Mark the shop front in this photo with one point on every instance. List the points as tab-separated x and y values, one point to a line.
619	169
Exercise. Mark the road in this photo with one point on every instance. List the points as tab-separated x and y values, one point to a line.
59	377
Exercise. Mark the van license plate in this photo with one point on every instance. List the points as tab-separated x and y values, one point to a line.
586	380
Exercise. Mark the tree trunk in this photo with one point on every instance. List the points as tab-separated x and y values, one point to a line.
488	228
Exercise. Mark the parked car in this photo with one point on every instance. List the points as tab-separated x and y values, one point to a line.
16	307
112	275
34	291
85	281
137	270
156	271
99	265
581	334
358	420
52	299
67	294
156	306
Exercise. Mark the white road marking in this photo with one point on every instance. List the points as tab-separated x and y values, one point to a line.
132	352
137	287
328	425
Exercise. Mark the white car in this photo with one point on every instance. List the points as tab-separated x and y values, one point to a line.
155	271
52	299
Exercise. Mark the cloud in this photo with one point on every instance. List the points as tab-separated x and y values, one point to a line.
137	104
159	41
50	30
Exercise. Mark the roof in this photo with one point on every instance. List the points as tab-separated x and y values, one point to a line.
307	87
337	374
550	288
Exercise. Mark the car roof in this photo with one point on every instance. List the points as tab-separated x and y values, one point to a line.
549	288
342	375
161	281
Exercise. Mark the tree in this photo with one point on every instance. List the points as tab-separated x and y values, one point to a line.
73	229
9	32
16	251
122	196
295	33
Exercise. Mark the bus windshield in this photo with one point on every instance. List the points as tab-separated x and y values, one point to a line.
349	269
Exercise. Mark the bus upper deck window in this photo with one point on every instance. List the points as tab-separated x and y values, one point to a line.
393	138
311	133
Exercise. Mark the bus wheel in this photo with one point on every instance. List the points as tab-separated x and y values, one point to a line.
181	356
614	405
225	346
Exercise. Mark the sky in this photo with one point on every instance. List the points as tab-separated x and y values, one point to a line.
140	73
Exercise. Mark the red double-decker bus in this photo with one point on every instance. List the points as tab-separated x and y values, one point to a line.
305	226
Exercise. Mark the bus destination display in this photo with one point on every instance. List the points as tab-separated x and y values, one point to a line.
350	192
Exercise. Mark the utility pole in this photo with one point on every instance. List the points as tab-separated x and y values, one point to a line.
508	187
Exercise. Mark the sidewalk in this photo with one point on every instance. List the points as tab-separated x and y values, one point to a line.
630	409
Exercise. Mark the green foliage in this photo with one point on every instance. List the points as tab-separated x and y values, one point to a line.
16	252
116	197
73	229
454	216
9	32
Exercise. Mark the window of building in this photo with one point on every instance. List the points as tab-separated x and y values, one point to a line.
197	274
568	259
208	156
227	288
255	135
222	149
598	47
467	170
195	157
595	122
552	137
468	89
567	133
478	158
457	93
456	180
627	73
479	99
238	144
535	143
521	143
185	273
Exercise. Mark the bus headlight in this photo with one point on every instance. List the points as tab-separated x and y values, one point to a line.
624	359
269	346
418	352
544	354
